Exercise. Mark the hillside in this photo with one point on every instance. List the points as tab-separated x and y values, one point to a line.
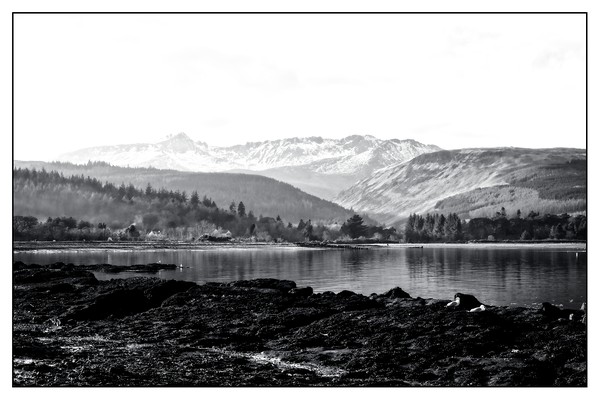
260	194
475	183
322	167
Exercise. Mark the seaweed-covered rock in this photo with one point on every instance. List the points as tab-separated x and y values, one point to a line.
117	303
465	301
344	294
266	283
553	312
396	293
303	292
150	332
45	275
165	289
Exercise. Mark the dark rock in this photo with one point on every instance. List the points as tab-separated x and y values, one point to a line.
118	369
46	276
302	292
61	288
300	316
268	283
117	303
154	267
552	312
467	301
165	289
344	294
396	293
268	291
181	298
18	265
360	302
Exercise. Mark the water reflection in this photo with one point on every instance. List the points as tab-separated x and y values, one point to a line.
495	276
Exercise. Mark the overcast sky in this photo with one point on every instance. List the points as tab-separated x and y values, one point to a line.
451	80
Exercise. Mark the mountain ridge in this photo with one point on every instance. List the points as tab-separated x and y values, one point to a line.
423	183
262	154
335	161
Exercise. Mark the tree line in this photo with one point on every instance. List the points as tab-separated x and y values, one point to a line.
128	213
103	210
450	228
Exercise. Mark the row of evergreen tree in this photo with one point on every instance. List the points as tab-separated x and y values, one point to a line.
43	178
433	227
450	228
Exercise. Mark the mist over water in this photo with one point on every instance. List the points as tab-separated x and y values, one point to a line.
518	277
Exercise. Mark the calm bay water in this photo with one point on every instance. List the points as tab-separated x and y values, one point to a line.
514	276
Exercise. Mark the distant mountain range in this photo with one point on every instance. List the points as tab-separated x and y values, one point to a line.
322	167
474	182
386	179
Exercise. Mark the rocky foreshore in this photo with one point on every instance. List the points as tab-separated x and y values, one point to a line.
70	329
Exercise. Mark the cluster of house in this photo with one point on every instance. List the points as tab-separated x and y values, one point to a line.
216	235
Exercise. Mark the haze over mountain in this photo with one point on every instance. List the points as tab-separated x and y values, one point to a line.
319	166
474	182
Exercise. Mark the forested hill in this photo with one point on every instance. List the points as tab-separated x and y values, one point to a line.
475	183
260	194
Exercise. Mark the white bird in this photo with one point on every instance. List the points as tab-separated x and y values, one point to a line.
478	309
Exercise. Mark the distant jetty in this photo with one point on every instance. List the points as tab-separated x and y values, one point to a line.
332	245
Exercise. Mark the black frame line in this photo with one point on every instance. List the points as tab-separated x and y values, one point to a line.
301	13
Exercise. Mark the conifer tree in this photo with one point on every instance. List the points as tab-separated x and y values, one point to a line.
241	209
301	224
438	229
308	230
149	190
355	226
195	199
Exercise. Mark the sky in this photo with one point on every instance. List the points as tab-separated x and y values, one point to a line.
453	80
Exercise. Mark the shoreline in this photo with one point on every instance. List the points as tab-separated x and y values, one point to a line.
69	329
25	246
496	245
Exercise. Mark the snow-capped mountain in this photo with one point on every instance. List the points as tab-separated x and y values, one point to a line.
347	155
299	161
473	182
